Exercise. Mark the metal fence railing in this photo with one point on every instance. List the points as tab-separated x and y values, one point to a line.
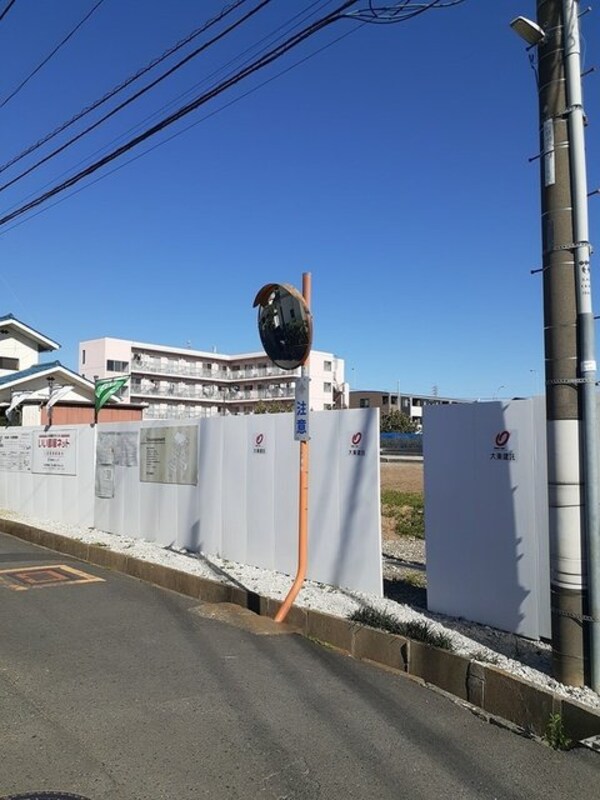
407	444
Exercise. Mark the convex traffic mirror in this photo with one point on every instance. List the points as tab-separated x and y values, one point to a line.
284	325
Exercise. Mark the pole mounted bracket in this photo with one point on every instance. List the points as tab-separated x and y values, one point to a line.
569	381
571	614
571	246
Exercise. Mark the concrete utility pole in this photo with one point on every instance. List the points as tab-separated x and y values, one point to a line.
569	348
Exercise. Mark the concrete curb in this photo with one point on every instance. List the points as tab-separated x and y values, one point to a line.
495	692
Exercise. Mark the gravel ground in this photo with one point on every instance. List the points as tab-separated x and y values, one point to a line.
528	660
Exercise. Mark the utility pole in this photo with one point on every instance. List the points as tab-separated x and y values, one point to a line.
586	330
570	366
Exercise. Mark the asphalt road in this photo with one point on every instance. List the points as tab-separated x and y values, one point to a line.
119	690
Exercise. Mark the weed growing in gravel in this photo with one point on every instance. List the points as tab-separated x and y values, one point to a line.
420	631
377	619
555	734
407	509
423	632
415	578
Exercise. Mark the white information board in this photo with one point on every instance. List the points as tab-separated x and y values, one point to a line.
15	450
55	452
169	454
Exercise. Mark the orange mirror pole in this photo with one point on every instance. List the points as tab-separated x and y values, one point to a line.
303	494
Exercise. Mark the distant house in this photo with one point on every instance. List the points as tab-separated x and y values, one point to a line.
26	385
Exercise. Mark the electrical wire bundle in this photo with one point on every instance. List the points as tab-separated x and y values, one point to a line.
299	28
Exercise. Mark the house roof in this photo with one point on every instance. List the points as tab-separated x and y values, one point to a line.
40	370
44	343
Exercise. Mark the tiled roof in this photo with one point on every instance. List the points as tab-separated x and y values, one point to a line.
34	370
50	343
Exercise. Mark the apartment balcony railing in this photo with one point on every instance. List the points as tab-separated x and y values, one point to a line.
187	370
157	367
267	372
183	393
214	396
260	394
177	413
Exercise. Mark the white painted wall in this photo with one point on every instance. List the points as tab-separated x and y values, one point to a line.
14	345
486	518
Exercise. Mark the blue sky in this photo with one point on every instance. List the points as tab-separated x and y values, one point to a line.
393	166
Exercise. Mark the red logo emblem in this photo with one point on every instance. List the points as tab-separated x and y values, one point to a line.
259	439
356	438
502	439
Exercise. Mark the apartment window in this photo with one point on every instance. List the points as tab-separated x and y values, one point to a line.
384	399
327	366
364	402
326	387
9	363
117	366
83	356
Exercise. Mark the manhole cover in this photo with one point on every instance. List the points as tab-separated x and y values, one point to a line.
22	578
45	796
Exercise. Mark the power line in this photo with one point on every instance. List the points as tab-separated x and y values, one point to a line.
136	95
7	9
275	34
258	64
124	84
181	112
400	12
188	127
48	57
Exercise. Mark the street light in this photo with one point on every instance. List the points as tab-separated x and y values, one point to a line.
528	31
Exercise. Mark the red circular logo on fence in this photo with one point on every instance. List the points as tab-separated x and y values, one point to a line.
259	439
502	438
356	438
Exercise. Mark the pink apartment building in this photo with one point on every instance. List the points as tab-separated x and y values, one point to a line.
178	382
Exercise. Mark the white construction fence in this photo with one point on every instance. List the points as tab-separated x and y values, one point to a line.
225	486
486	514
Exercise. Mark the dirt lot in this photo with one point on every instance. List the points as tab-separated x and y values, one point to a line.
403	556
404	476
